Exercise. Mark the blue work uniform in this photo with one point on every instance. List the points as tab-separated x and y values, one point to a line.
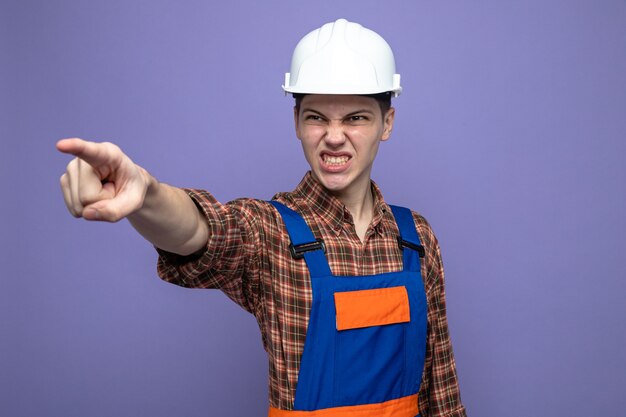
366	337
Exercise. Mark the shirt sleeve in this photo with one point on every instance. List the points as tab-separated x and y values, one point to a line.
229	261
439	394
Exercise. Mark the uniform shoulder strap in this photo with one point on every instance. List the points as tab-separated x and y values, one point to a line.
408	240
303	243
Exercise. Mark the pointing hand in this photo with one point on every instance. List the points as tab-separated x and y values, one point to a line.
101	183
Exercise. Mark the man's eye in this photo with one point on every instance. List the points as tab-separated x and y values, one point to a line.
313	117
358	118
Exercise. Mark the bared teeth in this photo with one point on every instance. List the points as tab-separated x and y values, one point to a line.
335	160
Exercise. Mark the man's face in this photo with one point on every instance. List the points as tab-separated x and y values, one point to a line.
340	135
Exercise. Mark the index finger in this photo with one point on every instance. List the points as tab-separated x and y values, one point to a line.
93	153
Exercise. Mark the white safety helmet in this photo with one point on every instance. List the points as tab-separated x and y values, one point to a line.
342	58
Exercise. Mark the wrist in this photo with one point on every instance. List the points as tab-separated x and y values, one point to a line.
151	190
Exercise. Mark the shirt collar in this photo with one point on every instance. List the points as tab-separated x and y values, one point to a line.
318	199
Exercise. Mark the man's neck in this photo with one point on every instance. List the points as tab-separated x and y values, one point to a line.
361	207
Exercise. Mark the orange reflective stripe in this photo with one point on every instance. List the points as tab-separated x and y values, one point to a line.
401	407
364	308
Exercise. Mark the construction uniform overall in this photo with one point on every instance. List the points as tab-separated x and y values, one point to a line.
366	337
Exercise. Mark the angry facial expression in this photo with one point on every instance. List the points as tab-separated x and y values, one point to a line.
340	135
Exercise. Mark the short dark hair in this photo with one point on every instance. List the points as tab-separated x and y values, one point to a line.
383	99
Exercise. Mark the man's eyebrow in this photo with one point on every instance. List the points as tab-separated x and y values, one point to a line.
313	111
359	112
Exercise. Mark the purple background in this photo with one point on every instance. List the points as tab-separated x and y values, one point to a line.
510	139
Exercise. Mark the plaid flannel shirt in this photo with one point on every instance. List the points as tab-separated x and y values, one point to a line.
247	257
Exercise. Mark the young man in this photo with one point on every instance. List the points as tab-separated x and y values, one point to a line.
348	291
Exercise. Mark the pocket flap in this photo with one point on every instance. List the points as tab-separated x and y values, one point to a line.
365	308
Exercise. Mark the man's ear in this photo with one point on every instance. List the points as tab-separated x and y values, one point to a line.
388	123
296	123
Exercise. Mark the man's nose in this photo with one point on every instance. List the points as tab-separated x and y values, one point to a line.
335	135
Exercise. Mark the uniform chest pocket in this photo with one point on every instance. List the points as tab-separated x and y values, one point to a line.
370	342
376	307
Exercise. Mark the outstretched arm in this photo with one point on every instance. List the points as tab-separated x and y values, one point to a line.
103	184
